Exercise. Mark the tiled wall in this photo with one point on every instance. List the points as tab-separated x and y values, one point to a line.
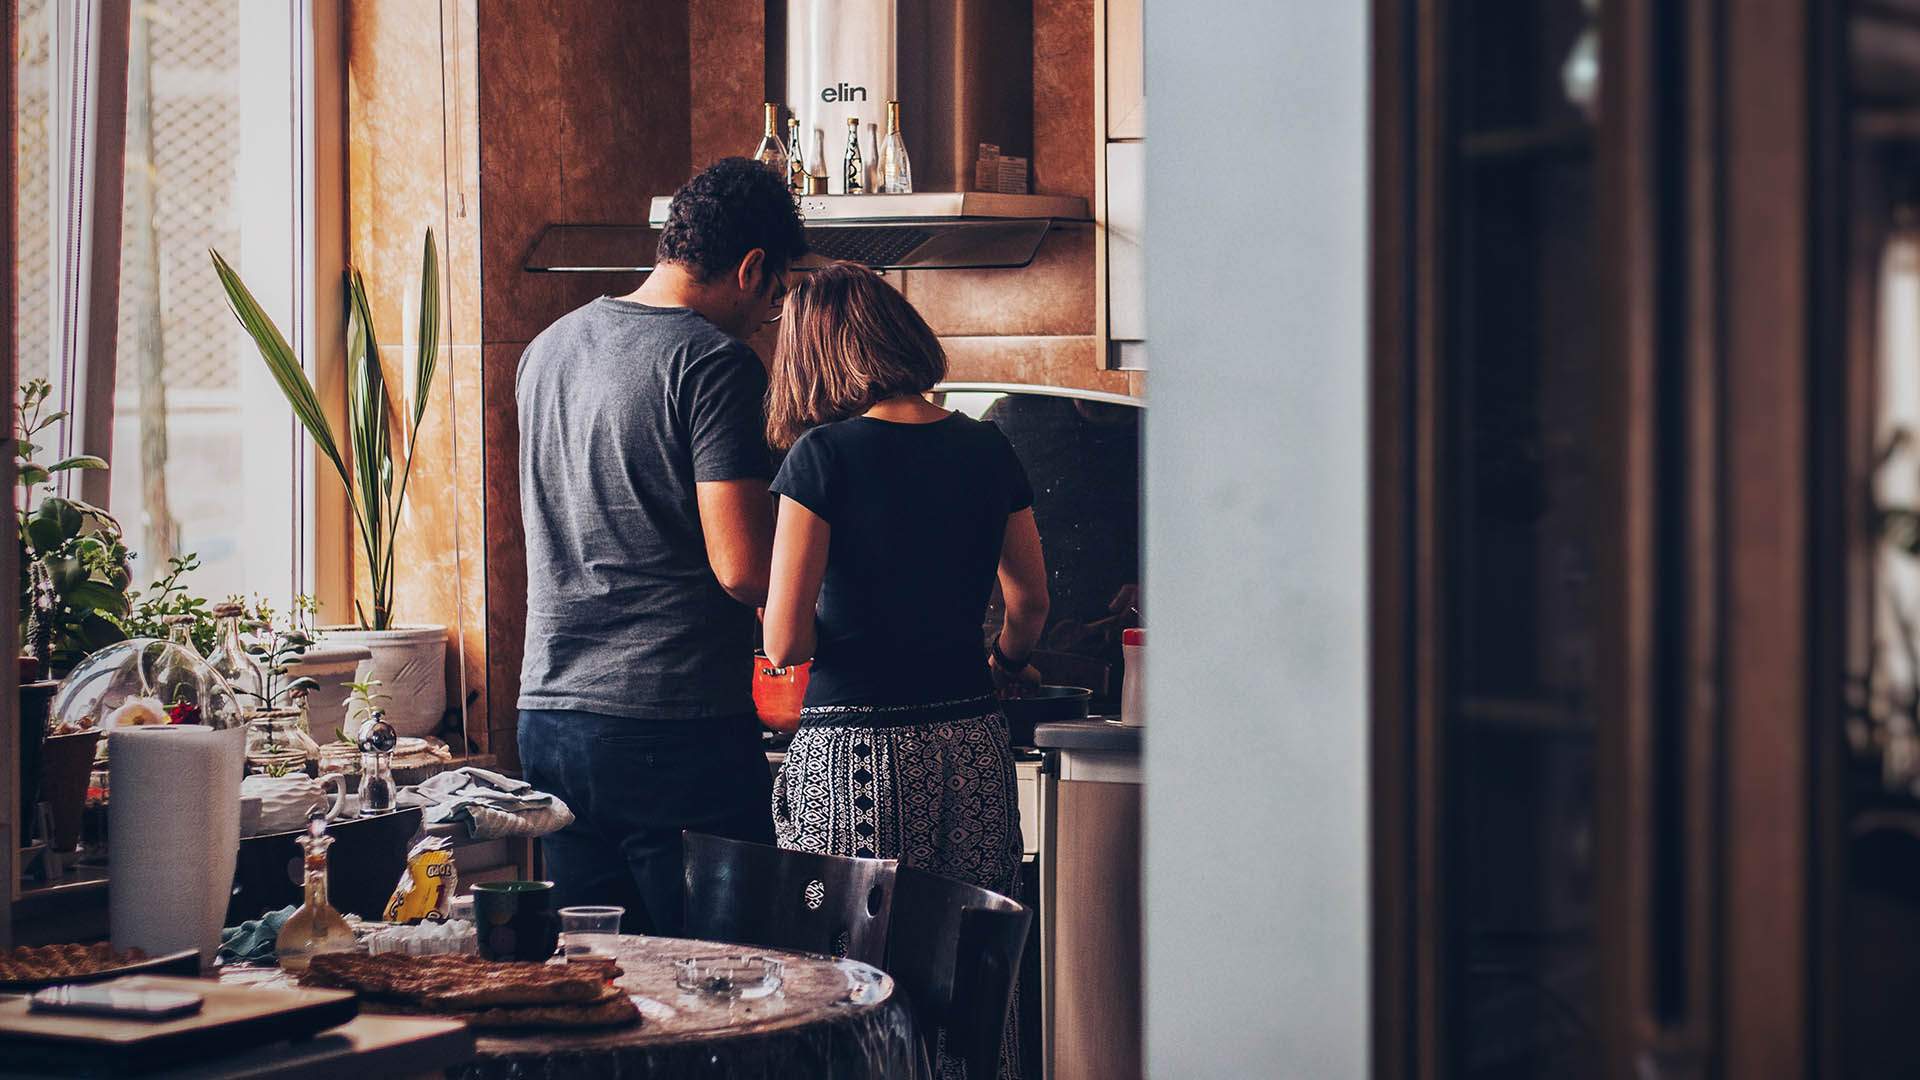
413	165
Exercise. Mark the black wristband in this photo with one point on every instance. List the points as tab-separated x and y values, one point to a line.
1006	663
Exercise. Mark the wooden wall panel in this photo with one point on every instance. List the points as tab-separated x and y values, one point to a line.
584	115
728	69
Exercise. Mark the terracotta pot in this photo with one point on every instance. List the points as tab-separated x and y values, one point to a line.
66	763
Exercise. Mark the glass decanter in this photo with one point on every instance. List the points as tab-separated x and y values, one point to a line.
315	927
230	658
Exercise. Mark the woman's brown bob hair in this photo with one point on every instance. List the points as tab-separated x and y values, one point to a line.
848	341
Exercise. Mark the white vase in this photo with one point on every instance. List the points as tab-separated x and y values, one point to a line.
411	664
334	665
285	801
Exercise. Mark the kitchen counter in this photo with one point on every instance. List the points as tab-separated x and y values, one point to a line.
1093	734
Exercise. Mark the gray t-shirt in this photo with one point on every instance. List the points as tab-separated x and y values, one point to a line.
623	408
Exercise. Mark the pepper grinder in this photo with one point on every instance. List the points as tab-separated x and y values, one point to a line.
377	740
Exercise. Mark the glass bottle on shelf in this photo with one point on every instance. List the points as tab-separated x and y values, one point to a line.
230	659
771	152
853	169
896	171
817	164
180	631
315	927
796	165
870	156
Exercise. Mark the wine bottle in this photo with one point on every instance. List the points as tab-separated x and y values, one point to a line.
896	171
796	168
817	164
771	152
853	168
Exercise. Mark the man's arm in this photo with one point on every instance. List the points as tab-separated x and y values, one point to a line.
736	517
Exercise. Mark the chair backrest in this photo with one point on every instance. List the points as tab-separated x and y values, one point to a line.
363	865
955	950
753	894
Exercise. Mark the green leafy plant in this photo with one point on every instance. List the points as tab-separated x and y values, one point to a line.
166	597
364	702
277	645
375	489
73	560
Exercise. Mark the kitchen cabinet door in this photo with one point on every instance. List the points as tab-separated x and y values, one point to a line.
1604	495
1126	75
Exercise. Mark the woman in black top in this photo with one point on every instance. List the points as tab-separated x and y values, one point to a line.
896	517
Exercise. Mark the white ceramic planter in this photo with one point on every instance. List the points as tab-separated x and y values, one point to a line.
411	664
334	665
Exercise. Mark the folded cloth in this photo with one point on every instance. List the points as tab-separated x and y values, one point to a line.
489	804
252	942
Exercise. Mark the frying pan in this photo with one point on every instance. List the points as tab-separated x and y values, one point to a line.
1043	706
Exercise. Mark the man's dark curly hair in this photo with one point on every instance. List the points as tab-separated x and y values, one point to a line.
732	207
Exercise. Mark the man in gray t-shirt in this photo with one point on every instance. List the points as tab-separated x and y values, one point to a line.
643	490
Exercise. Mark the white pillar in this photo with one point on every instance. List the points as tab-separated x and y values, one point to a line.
1256	861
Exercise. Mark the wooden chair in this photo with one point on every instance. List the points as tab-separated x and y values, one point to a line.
955	950
363	866
752	894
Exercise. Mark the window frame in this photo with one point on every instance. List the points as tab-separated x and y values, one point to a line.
293	164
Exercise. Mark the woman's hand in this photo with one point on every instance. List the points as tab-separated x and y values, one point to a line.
1010	684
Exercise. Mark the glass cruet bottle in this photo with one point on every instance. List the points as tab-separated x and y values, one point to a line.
377	740
230	659
315	927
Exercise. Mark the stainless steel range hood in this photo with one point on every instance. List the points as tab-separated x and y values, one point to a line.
963	70
948	230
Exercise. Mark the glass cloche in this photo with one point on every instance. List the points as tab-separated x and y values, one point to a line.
145	681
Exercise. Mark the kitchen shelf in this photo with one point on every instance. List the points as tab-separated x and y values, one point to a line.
1542	142
1890	124
1524	715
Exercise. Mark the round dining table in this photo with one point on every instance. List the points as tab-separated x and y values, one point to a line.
828	1018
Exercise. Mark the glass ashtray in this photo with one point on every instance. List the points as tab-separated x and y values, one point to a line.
743	978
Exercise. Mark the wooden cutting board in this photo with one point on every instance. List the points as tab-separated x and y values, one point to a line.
233	1018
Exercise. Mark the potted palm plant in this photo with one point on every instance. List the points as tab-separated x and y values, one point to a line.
409	660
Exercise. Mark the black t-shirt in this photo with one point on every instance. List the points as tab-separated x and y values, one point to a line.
623	409
918	513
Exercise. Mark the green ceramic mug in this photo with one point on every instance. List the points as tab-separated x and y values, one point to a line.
516	920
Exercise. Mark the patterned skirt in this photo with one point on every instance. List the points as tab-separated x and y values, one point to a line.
931	786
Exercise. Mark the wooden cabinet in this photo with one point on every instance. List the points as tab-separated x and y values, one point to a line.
1094	913
1606	562
1126	70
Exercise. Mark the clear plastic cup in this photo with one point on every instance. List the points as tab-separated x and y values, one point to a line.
591	933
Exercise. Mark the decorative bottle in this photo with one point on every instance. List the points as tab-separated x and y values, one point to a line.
817	164
230	659
853	169
796	165
771	152
896	171
315	927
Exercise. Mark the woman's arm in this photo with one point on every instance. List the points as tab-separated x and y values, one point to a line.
799	565
1023	583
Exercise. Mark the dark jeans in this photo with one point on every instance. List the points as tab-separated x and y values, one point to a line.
632	786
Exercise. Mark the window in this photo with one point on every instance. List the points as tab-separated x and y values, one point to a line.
205	456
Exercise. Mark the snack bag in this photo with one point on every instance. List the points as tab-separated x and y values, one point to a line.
426	886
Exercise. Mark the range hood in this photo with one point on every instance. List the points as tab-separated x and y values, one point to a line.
943	230
963	70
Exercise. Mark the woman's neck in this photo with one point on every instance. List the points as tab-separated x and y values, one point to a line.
907	409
